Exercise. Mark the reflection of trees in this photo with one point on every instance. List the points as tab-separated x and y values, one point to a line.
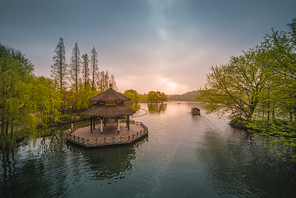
107	163
37	166
133	106
157	108
237	166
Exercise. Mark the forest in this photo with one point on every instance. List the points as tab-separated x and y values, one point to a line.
257	90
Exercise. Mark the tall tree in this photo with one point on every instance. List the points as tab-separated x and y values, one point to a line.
94	66
85	69
59	68
75	66
113	82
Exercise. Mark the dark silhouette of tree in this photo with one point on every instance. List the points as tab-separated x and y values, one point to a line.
85	69
75	66
94	66
59	68
113	82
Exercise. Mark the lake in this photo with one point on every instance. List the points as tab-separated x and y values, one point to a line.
182	156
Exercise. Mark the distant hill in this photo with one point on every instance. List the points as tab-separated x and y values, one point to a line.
189	96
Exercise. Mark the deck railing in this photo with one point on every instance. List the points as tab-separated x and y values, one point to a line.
108	140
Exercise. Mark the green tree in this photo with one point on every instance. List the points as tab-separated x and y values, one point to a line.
278	124
82	96
133	95
75	66
156	96
48	100
24	98
234	88
59	68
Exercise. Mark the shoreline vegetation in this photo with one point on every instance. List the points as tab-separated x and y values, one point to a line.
256	90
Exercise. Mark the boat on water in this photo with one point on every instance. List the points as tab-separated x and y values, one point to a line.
195	111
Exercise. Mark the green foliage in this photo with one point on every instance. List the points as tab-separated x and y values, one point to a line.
234	89
258	90
64	119
79	100
83	117
25	100
156	96
239	123
133	95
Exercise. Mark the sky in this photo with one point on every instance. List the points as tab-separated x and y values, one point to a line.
148	45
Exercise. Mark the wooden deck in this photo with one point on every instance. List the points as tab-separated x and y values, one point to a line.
110	136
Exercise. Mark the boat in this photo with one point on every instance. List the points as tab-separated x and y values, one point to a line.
195	111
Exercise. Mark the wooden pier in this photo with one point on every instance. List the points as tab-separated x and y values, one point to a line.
110	136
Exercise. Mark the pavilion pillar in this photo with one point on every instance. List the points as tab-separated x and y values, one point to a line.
91	125
101	126
118	125
105	121
94	122
127	122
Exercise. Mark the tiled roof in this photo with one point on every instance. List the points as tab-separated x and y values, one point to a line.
108	111
109	95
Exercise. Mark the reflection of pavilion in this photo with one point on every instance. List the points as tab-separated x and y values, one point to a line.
109	109
108	164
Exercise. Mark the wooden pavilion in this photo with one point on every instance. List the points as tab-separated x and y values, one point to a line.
109	105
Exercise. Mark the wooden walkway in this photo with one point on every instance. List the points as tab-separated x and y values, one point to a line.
110	136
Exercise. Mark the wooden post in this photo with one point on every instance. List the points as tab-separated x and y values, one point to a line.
94	122
127	123
118	125
91	125
101	126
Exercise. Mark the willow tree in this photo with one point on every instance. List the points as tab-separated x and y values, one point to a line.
235	89
59	68
75	66
94	67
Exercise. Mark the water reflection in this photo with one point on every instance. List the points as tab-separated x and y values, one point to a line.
157	108
236	166
108	163
35	168
133	106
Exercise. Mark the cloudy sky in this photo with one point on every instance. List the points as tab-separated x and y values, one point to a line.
160	45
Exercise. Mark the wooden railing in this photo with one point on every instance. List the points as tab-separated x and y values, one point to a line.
108	140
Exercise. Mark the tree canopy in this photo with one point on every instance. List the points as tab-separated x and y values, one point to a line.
24	98
133	95
258	90
156	96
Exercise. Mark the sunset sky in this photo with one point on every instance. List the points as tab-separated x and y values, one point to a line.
159	45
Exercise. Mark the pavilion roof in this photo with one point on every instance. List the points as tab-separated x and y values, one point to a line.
108	111
109	95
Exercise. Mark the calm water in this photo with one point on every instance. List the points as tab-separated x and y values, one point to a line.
183	156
